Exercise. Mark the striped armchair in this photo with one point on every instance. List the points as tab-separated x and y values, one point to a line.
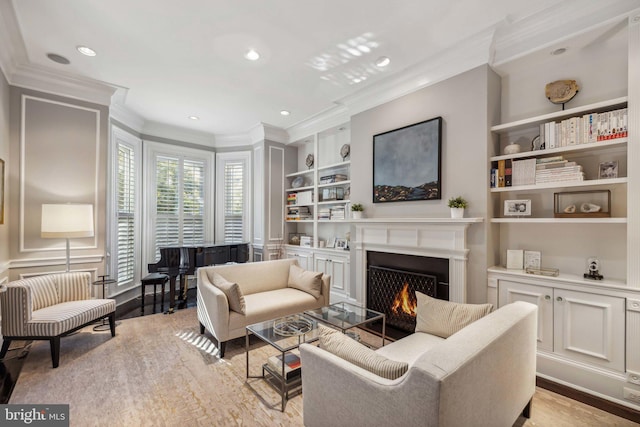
50	307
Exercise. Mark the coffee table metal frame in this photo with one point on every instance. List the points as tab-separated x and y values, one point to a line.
265	332
344	316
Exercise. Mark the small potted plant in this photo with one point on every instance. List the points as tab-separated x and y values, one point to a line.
457	205
356	210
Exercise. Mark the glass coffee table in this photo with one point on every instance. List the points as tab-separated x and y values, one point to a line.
344	316
284	334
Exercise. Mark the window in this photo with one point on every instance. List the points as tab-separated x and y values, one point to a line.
233	196
178	199
125	242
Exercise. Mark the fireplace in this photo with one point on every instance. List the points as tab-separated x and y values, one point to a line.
392	282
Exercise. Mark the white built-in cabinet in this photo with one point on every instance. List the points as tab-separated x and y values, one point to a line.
317	192
580	326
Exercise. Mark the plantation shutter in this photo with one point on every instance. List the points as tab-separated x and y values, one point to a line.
234	200
126	214
167	229
193	203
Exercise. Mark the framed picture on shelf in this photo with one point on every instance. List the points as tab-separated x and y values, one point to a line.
341	243
331	242
517	208
294	238
608	170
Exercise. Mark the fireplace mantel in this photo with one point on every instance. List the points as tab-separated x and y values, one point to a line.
433	237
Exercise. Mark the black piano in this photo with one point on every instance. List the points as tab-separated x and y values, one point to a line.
182	261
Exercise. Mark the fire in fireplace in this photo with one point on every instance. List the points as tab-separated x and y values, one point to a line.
392	282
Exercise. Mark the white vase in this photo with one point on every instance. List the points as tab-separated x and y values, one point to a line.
356	214
457	212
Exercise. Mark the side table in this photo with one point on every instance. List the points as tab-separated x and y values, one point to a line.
104	281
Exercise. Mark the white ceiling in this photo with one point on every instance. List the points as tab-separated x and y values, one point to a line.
167	59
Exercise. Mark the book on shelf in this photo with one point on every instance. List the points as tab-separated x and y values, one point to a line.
493	178
559	171
508	172
501	166
305	197
554	165
291	364
588	128
524	172
575	176
329	179
544	160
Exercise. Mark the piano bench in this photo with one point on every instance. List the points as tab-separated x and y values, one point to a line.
154	279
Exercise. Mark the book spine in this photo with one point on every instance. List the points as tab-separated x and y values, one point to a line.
508	173
552	135
501	166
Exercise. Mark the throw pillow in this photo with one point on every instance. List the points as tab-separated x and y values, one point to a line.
445	318
307	281
352	351
232	291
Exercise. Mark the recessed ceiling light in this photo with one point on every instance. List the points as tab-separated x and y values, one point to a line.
194	118
58	58
559	51
86	51
285	112
252	55
383	61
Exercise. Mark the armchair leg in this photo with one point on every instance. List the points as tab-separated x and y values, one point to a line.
55	350
112	323
5	347
201	329
526	412
223	346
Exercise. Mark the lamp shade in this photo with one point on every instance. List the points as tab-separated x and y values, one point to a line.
67	221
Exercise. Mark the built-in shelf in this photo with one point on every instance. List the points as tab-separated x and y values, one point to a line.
592	146
307	187
340	165
561	184
291	175
597	107
418	220
333	202
563	277
299	220
561	220
295	206
335	220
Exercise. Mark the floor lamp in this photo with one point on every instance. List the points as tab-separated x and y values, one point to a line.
67	221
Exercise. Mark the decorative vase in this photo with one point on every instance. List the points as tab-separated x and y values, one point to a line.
356	214
457	212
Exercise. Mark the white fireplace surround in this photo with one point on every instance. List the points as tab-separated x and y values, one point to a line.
432	237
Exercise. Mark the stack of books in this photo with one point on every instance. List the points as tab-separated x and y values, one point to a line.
298	213
291	365
324	213
337	212
329	179
555	169
292	199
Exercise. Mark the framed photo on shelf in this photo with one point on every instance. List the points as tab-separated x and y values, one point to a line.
608	170
532	259
517	208
331	242
341	243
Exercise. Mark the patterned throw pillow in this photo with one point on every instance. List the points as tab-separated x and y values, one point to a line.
352	351
307	281
232	291
445	318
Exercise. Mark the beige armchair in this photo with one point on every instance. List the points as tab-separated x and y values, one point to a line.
50	307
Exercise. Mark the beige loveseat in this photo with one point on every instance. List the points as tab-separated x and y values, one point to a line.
49	307
266	294
482	375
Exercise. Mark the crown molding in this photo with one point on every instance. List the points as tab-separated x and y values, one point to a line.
127	117
532	33
12	48
333	116
165	131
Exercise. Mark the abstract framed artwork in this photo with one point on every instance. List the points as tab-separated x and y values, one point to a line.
406	163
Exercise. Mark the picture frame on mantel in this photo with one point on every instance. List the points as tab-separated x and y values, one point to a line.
407	163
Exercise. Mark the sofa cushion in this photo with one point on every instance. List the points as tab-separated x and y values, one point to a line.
354	352
232	291
445	318
65	316
304	280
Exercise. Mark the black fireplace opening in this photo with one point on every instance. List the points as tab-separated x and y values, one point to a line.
392	281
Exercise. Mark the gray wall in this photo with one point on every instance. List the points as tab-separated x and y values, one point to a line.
58	155
4	191
463	102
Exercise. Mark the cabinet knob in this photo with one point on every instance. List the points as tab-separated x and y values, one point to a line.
559	299
547	297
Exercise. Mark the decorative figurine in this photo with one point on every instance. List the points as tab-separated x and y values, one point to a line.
344	151
593	267
309	161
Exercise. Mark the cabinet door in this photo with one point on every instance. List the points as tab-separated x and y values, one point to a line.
541	296
338	269
590	328
304	259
